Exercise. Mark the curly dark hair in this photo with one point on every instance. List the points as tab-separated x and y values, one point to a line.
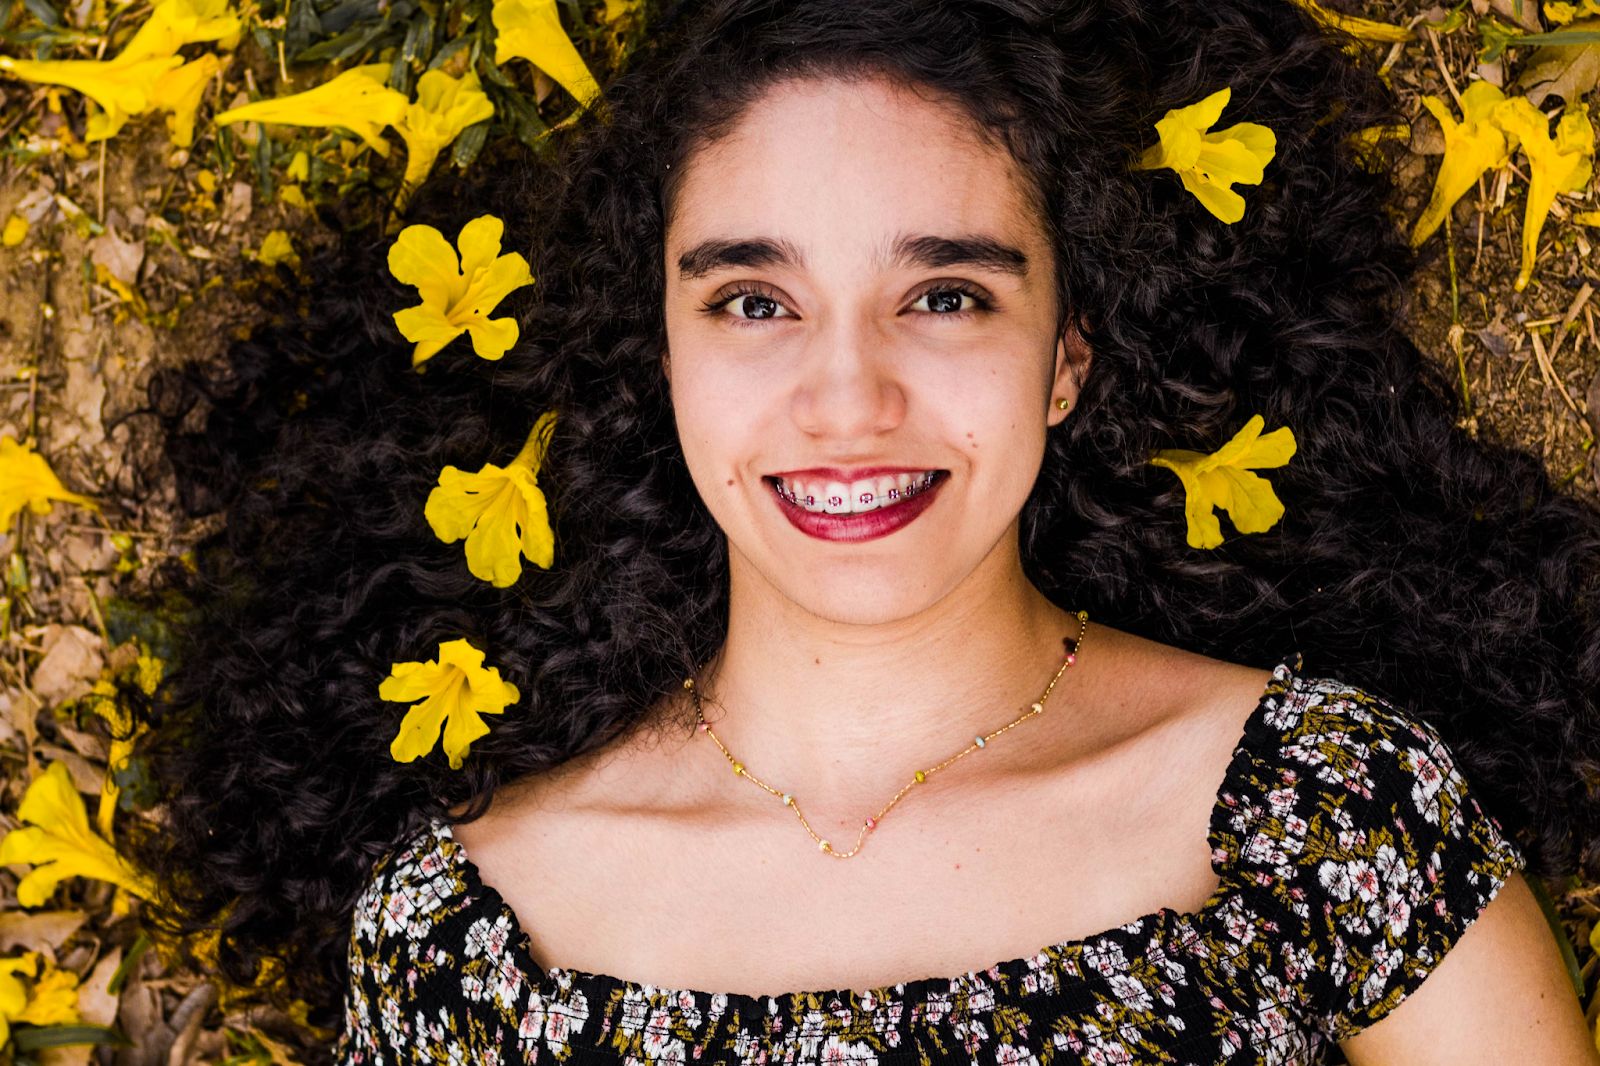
1443	573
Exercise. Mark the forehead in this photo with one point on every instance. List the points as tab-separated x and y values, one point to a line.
864	157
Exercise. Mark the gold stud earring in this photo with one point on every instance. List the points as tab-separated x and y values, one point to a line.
1063	403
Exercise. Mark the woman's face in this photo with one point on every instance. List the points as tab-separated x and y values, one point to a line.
863	346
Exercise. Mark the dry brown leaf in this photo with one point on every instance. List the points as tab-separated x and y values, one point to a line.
1567	71
1528	18
85	778
120	257
44	931
98	1006
22	711
71	663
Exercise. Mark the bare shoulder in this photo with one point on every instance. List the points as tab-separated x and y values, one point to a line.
1136	687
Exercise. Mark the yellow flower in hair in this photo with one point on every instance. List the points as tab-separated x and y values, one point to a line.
1562	165
59	843
456	690
531	30
501	512
26	480
444	107
358	100
1211	163
1474	145
457	298
1223	479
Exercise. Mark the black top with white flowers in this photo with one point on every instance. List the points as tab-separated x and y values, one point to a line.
1351	858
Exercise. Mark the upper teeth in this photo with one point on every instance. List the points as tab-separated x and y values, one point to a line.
867	494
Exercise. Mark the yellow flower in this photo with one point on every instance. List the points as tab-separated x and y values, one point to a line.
457	298
443	109
1210	163
59	843
132	83
121	88
1562	165
1471	147
26	480
175	23
532	30
455	689
16	231
53	999
1223	479
299	167
1559	13
358	100
13	993
1359	28
501	512
180	92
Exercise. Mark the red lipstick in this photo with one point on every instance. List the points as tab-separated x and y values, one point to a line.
861	526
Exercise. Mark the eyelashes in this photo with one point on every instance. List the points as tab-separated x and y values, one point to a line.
981	300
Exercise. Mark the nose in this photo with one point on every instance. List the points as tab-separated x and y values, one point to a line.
848	388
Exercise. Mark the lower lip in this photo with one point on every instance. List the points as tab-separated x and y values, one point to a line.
867	525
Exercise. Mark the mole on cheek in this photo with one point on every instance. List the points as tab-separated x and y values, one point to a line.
730	482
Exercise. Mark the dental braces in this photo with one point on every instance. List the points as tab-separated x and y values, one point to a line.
893	495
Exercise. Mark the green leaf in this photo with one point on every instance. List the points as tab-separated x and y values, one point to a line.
419	39
449	50
519	114
301	27
1497	37
43	12
141	945
38	1037
470	143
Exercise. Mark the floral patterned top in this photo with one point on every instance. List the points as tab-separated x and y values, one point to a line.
1351	858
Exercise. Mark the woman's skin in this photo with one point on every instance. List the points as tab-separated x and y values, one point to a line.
848	217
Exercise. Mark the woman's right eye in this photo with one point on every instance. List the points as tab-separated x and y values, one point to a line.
755	306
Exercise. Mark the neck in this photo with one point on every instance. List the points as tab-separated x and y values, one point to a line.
842	713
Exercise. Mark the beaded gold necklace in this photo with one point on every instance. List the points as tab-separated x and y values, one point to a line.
920	777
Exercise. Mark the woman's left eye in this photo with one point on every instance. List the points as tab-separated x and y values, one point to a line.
944	301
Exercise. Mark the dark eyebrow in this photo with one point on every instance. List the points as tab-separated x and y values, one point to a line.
707	256
939	252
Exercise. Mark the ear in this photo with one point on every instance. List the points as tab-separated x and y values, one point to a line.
1073	356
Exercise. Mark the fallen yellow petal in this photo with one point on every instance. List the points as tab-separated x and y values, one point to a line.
1359	28
26	480
531	30
1223	479
1564	164
16	231
59	843
276	247
1471	147
456	689
180	92
358	100
444	107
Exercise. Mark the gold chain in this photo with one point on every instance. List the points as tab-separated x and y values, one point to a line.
920	777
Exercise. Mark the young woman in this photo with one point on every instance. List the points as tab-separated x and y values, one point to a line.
874	651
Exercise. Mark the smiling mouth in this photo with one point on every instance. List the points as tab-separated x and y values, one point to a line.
863	508
854	497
